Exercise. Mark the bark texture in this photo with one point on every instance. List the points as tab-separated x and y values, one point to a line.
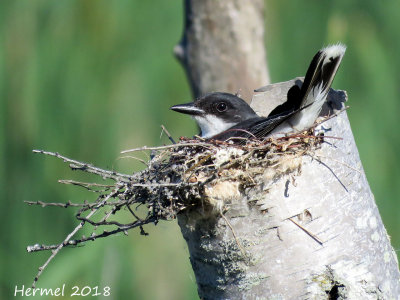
310	228
222	48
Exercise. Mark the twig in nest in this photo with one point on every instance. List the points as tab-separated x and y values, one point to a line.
167	133
329	117
180	145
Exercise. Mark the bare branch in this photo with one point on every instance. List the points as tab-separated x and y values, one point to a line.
92	237
77	165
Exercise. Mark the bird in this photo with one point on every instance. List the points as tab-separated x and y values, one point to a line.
224	116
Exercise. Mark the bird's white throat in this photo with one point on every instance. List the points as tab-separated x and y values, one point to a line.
211	125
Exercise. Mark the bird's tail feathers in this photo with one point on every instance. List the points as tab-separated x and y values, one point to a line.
321	73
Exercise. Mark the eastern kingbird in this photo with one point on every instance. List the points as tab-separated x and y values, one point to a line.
223	116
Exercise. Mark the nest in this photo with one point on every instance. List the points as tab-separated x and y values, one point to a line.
190	174
183	176
195	173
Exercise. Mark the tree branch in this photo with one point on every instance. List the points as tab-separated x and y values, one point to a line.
222	48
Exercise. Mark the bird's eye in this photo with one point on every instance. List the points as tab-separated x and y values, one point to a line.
221	107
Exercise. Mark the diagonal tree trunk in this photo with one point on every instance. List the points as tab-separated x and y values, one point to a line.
309	227
222	48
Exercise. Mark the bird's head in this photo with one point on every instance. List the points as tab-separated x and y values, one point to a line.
217	112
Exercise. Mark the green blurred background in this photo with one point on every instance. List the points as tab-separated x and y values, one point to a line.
89	78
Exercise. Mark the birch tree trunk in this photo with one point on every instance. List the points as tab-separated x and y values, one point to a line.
309	229
222	48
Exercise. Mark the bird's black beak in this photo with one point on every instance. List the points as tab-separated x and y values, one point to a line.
188	108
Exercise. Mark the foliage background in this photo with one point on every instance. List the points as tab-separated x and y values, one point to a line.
88	78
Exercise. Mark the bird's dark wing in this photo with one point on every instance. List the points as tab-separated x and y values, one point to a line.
242	130
292	103
255	128
258	128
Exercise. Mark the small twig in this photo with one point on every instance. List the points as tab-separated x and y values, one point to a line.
179	145
167	133
38	247
76	242
133	214
200	162
240	246
104	222
155	184
77	165
339	162
64	205
68	238
313	236
134	157
304	136
114	209
86	185
330	117
330	169
70	204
